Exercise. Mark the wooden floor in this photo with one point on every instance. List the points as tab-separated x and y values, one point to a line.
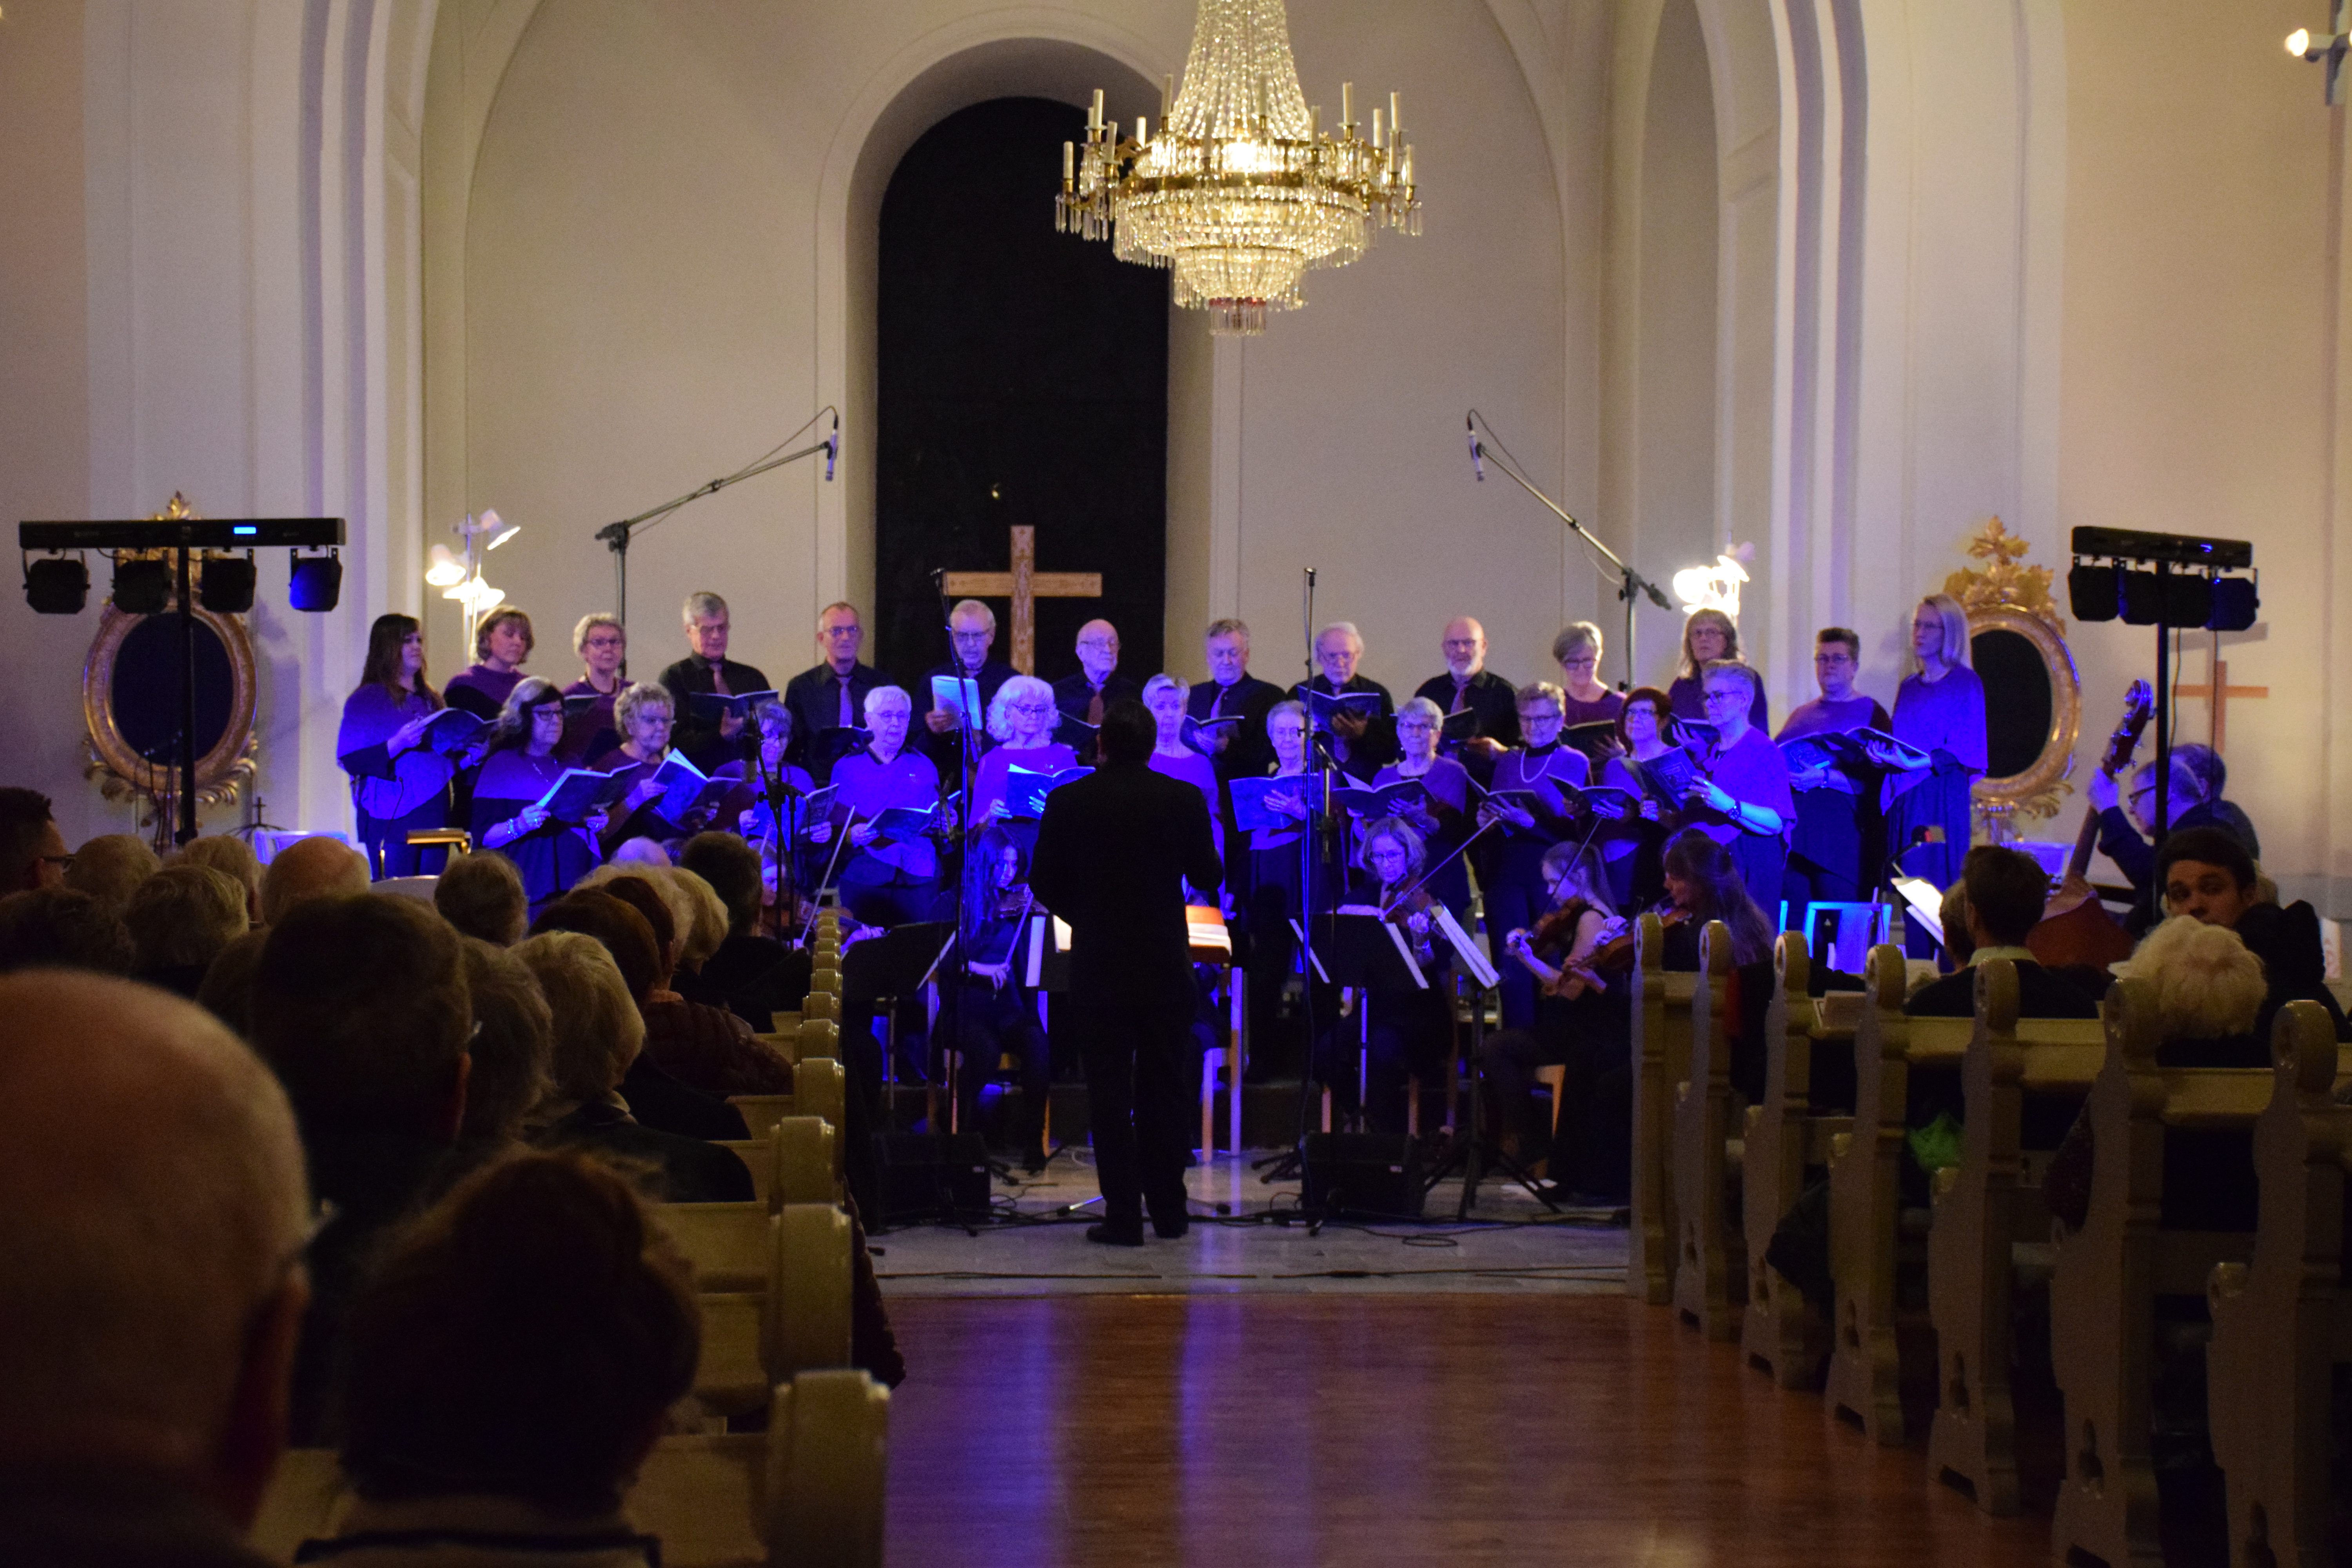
1384	1429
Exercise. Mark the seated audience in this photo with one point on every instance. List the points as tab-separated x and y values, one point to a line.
360	1004
757	974
227	989
310	869
57	928
512	1049
2002	892
483	897
697	938
149	1316
706	1049
656	1099
511	1365
227	853
597	1034
2206	874
111	868
179	920
32	851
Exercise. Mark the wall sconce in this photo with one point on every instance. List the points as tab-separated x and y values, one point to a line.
2328	49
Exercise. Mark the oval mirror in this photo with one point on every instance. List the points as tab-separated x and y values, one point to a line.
2033	711
130	702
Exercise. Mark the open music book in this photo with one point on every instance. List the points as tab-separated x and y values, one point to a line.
452	729
1251	810
1322	706
1208	736
687	789
1026	789
961	697
1847	748
580	793
717	705
1377	800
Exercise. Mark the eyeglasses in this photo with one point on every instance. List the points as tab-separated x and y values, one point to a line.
62	862
602	642
1725	697
1031	707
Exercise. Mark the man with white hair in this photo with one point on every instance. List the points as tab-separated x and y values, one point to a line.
1469	687
707	671
971	637
829	696
1097	685
1362	742
153	1214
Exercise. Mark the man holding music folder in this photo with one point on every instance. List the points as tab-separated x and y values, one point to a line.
1114	851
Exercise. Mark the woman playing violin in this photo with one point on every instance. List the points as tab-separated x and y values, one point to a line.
1405	1028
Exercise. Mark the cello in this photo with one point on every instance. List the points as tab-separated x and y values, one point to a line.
2076	929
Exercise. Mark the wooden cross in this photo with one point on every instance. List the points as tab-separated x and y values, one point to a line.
2218	691
1025	584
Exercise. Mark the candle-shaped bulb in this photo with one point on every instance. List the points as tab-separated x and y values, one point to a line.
1396	116
1094	116
1347	103
1069	163
1379	137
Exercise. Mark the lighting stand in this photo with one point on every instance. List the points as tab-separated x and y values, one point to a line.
1629	581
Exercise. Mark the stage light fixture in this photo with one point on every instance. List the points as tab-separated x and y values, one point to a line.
2188	600
2092	592
228	585
57	587
317	582
509	531
2236	602
2326	48
142	587
447	571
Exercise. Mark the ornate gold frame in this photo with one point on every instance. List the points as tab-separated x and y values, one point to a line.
2006	596
122	771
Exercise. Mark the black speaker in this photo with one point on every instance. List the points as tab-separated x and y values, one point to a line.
926	1177
2235	604
57	586
2094	592
142	587
1368	1173
227	587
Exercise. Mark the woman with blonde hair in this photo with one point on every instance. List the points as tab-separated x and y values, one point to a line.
1939	710
1022	718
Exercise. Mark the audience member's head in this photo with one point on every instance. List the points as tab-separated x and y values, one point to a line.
310	869
361	1005
227	989
2005	890
1959	941
153	1214
57	928
1129	732
2206	872
226	852
2208	986
179	921
110	867
731	867
701	938
32	850
596	1029
512	1045
483	896
640	894
624	933
640	851
523	1340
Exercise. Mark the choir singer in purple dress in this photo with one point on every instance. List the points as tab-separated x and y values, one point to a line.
1940	709
399	783
1744	802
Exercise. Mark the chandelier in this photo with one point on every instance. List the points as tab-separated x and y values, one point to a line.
1241	191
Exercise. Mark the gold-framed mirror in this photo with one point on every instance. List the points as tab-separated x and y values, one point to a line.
129	702
2034	696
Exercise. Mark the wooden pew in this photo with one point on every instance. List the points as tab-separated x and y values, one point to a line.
1983	1209
2283	1322
793	1164
819	1088
1704	1266
1865	1168
1661	1054
2108	1274
775	1293
1786	1143
806	1038
807	1491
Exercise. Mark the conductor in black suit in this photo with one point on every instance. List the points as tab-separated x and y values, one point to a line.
1114	851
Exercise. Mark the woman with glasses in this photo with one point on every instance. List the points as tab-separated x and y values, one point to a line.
645	712
1629	847
766	782
1525	815
1588	700
1941	710
1442	814
1839	838
1744	801
1404	1028
1709	637
603	644
399	781
1020	720
519	766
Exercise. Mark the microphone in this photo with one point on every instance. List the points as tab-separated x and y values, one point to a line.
831	448
1477	465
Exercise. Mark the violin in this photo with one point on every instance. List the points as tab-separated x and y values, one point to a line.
1615	957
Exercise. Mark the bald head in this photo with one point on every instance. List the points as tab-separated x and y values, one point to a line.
1097	650
152	1209
1465	647
310	869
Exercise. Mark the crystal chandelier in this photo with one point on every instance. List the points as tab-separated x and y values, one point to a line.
1241	192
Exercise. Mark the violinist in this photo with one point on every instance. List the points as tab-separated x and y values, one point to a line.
1405	1028
1528	827
1630	849
1583	1021
996	1014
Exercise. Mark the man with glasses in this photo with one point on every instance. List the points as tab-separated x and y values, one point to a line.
971	634
1839	838
1469	687
2126	840
32	851
831	696
1744	802
1363	743
1085	696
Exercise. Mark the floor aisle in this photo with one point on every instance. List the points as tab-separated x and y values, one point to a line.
1417	1429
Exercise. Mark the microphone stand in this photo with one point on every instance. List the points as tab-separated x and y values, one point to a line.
617	536
1629	582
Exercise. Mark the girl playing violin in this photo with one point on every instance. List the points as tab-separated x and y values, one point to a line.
1581	1020
1405	1028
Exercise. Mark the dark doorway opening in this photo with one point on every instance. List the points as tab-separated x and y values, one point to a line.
1022	381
